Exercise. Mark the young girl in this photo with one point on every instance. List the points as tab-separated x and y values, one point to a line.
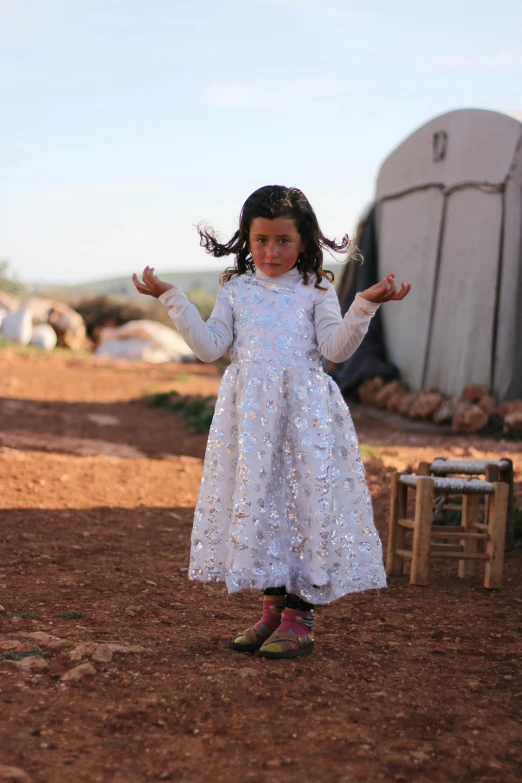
283	505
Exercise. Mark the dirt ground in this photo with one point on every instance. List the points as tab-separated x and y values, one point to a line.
97	495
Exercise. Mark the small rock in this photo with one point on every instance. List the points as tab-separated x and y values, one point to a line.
13	774
79	673
2	610
425	404
473	685
368	389
101	653
247	671
126	649
9	644
33	663
473	392
394	400
469	418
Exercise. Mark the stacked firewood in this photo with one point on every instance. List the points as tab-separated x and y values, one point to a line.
472	411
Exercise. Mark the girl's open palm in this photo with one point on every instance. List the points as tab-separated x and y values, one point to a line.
386	291
151	285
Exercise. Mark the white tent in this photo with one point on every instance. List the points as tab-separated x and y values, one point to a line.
449	220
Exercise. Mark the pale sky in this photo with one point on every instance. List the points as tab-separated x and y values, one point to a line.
126	122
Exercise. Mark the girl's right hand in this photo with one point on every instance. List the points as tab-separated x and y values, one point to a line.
151	285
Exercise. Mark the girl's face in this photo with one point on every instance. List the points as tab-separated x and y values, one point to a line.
274	244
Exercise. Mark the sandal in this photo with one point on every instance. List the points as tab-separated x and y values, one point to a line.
248	641
286	645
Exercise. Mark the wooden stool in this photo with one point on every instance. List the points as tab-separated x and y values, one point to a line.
492	470
425	534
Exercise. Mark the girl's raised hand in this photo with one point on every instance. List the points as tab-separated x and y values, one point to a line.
386	290
151	285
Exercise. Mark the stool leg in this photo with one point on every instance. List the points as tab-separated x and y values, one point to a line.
422	531
396	533
491	474
497	536
424	469
470	513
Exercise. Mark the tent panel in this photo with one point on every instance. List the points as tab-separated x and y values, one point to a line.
461	343
408	239
460	146
507	378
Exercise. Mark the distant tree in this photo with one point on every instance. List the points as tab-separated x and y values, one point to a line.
8	283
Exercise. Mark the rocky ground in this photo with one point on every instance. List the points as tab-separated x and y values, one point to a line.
114	667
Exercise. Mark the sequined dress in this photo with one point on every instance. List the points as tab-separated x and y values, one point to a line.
283	499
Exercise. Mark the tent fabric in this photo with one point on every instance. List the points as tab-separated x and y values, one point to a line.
448	219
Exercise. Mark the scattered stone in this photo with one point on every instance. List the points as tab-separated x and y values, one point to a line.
445	412
387	391
98	652
469	418
126	649
33	663
488	404
425	404
367	391
2	610
473	392
13	774
10	644
79	673
247	671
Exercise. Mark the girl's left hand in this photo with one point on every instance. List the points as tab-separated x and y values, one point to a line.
386	290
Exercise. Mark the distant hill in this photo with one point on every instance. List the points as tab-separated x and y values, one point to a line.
124	287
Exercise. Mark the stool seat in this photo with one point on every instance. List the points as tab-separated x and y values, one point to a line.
451	485
468	467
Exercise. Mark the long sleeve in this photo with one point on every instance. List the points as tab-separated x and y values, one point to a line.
209	340
337	337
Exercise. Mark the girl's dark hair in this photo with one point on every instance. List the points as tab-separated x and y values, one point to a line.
274	201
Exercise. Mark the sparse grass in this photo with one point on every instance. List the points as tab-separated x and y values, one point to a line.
115	743
195	409
183	377
24	615
30	349
72	615
13	655
368	453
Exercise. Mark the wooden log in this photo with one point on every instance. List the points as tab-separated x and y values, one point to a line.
470	514
406	554
497	518
422	531
407	523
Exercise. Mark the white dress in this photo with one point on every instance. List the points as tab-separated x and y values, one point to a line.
283	498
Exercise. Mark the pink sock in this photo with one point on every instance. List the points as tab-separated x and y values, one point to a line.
273	606
297	622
